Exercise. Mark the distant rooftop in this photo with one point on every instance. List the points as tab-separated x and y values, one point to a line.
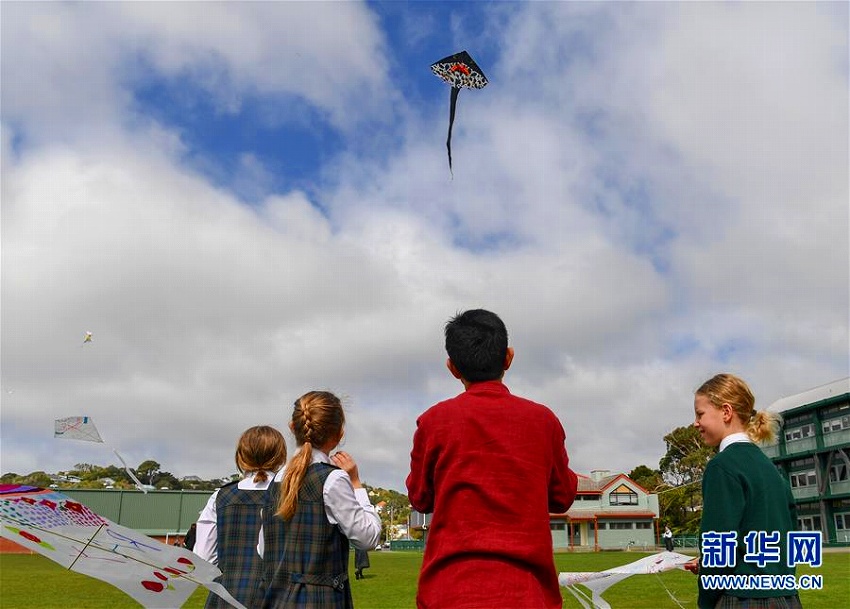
818	394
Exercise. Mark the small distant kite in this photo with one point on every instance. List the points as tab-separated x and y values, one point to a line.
459	71
82	428
87	338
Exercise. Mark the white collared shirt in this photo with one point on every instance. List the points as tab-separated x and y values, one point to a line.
738	436
206	542
345	506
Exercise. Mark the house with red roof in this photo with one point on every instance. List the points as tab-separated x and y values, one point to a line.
611	511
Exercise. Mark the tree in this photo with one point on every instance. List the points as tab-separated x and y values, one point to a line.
147	471
681	468
37	479
166	479
650	479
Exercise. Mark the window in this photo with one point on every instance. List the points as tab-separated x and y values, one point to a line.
838	472
621	525
643	525
842	522
557	526
623	495
602	525
808	523
838	424
801	463
798	433
803	479
835	409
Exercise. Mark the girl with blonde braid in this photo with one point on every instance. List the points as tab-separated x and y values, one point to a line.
742	492
323	506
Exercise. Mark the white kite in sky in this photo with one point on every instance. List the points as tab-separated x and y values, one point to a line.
82	428
87	338
76	428
599	581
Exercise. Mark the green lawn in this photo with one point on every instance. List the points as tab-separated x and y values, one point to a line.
36	583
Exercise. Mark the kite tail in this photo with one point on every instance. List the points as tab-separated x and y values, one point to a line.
138	482
452	106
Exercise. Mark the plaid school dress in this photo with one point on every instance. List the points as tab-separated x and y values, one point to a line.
313	570
237	531
770	602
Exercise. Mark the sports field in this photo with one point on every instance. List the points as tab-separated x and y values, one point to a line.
33	582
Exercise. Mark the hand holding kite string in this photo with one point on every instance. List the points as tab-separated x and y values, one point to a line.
82	428
459	71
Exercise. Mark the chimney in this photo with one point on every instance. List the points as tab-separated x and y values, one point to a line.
597	474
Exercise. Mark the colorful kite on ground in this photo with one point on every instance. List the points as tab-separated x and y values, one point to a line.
156	575
82	428
599	581
459	71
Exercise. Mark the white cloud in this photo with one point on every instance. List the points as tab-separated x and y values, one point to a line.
659	194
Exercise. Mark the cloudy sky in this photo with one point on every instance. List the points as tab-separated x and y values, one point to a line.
246	201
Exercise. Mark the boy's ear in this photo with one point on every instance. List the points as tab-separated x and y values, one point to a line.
455	372
509	357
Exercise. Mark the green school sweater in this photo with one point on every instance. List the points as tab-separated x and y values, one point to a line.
742	491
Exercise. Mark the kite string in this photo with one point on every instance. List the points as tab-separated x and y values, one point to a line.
667	590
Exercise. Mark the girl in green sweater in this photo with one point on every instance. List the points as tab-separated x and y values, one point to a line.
748	508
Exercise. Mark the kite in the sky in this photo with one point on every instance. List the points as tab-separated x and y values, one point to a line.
599	581
82	428
87	338
156	575
459	71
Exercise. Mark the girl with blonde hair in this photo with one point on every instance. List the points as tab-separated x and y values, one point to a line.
742	493
229	524
323	506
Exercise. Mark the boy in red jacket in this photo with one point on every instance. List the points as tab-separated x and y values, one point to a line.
491	467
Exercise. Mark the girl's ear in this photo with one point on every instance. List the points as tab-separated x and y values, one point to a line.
728	413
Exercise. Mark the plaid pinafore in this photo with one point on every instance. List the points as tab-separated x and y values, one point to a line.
237	531
313	570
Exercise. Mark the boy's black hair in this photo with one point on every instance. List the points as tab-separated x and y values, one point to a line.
477	344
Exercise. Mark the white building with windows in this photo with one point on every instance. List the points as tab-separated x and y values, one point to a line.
813	452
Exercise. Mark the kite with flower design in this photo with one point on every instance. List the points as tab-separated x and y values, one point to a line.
156	575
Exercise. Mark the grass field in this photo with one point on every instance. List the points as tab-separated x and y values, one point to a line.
33	582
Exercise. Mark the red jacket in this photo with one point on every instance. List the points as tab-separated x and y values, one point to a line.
491	467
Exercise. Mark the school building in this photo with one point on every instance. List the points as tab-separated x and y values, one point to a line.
813	453
610	512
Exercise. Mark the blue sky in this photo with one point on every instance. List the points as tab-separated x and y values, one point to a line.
246	201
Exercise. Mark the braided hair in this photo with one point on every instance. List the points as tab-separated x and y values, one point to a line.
317	418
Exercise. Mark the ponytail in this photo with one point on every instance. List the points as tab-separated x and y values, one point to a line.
292	479
260	449
763	427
